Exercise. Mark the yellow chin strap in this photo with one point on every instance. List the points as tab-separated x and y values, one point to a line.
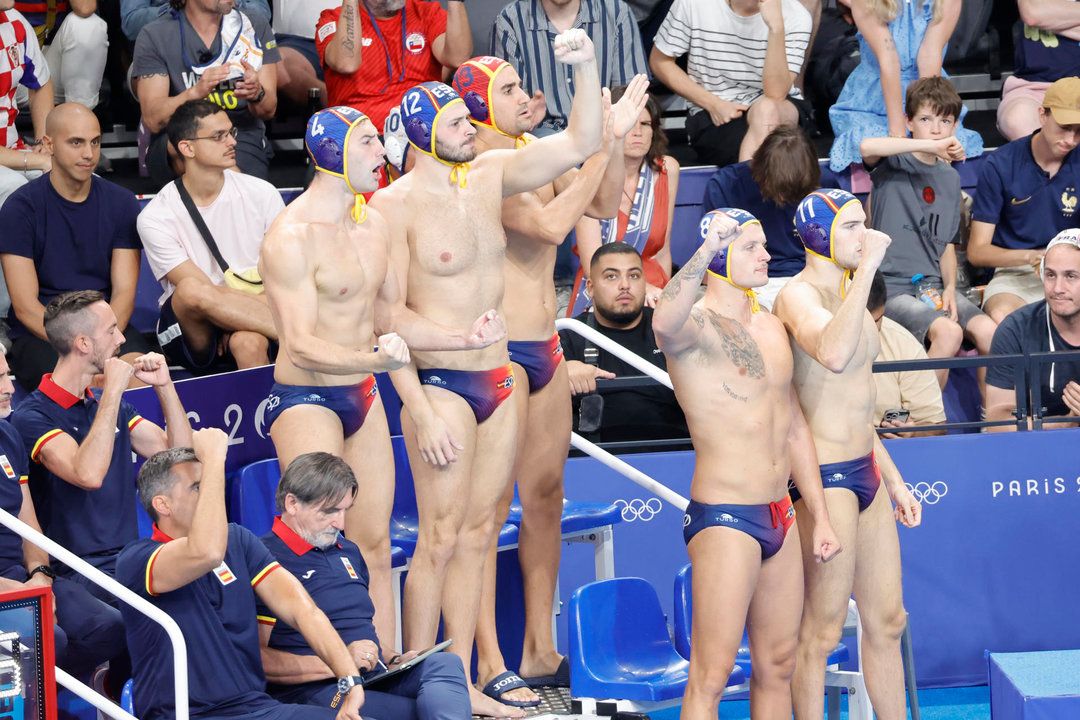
750	293
848	274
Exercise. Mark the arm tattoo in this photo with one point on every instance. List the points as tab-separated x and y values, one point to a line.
157	74
348	43
693	270
738	345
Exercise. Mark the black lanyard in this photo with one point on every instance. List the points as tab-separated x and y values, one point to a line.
386	48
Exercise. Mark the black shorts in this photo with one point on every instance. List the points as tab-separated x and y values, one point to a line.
719	144
304	46
31	357
176	350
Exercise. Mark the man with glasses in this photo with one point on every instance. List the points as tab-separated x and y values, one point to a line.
202	235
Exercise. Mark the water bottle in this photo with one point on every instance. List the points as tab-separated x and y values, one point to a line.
926	292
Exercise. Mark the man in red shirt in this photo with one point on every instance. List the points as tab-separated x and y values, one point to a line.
373	51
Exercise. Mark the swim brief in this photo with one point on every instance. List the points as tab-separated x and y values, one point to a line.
860	476
484	390
768	524
349	402
539	358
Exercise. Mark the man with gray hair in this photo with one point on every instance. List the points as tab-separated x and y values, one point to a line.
80	439
313	496
206	573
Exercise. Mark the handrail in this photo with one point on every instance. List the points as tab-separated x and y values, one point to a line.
92	696
76	563
598	453
615	349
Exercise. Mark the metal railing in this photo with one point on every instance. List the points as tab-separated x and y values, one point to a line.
598	453
76	563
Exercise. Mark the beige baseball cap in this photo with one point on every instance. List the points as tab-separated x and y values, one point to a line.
1063	100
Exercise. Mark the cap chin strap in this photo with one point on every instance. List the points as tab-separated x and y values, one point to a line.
359	208
847	277
750	293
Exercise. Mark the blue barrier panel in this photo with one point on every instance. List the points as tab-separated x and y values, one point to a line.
990	568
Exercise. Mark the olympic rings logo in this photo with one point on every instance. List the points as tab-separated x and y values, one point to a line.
638	509
928	494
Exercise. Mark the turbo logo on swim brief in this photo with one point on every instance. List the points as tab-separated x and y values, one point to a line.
928	493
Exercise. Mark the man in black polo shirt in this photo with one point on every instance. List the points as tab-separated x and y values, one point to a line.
88	632
67	230
616	282
206	573
1051	325
313	496
81	439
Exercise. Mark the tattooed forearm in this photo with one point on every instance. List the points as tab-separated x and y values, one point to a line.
693	270
348	14
738	345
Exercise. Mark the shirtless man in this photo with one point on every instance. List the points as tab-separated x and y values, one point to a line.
324	264
460	434
536	223
834	342
732	370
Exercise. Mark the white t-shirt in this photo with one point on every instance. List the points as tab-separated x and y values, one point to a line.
299	17
238	219
727	51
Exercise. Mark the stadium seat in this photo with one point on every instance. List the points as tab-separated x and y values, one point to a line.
126	700
620	647
585	522
251	498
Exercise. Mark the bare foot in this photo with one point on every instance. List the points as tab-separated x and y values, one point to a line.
489	707
522	694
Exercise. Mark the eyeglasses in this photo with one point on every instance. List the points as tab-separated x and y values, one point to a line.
219	136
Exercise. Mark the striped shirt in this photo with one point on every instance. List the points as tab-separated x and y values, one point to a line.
727	51
522	35
21	63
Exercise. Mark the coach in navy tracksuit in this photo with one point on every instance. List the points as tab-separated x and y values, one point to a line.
313	496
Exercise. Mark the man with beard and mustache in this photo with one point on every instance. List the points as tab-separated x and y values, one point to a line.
325	262
1050	325
616	282
314	497
459	431
80	439
372	51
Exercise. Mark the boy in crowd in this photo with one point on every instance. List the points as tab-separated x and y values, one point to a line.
916	201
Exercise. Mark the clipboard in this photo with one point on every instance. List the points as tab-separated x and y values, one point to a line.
378	677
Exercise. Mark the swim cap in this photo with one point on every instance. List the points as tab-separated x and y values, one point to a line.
327	142
474	82
718	266
815	218
394	140
420	109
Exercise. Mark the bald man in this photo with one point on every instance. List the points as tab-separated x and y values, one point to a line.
67	230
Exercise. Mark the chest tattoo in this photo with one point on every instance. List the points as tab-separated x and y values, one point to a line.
738	345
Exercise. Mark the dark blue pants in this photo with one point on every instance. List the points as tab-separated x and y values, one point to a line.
263	708
434	689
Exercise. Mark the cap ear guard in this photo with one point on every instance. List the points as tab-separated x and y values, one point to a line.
418	132
477	105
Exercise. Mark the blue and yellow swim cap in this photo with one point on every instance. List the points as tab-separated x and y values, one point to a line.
327	142
718	266
420	110
815	220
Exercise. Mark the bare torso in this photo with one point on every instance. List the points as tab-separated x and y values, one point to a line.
348	263
734	387
530	303
839	407
457	249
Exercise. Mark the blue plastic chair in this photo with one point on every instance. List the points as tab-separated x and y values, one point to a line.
576	516
620	647
127	702
251	497
684	611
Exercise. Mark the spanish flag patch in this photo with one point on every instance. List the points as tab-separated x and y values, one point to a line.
349	568
8	470
224	574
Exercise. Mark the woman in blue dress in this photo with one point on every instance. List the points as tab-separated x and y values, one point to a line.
899	41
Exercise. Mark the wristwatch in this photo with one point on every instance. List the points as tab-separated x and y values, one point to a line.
44	570
347	683
259	98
